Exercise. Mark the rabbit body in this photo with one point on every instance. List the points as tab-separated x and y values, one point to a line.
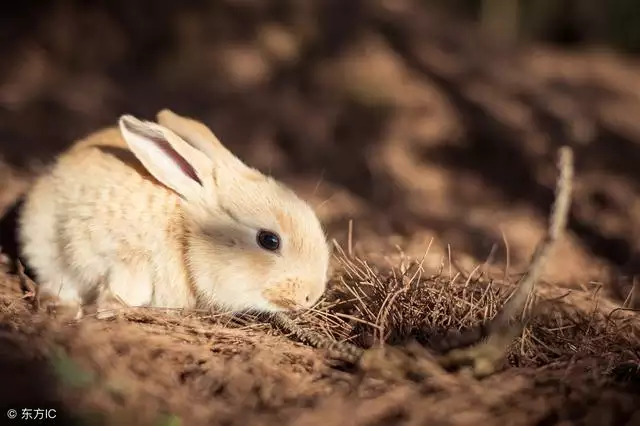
165	216
85	238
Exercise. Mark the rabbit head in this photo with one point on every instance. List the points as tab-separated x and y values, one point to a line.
250	242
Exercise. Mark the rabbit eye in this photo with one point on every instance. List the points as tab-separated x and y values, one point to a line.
268	240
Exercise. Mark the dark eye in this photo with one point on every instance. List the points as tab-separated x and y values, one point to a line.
268	240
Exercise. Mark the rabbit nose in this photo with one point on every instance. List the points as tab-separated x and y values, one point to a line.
309	300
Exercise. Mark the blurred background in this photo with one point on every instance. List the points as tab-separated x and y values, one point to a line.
416	119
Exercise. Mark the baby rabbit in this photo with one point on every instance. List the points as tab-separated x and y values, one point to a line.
163	215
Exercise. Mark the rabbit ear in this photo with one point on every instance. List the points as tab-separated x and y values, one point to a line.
168	158
200	137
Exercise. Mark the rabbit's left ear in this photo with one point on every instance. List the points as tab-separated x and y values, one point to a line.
167	157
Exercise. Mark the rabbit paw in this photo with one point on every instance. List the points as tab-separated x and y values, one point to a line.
66	310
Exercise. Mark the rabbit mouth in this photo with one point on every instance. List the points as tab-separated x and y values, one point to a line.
281	298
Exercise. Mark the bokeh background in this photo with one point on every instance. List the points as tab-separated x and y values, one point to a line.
413	119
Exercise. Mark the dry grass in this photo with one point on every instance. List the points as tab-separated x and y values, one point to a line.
369	305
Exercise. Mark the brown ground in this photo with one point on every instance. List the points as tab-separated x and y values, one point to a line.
400	120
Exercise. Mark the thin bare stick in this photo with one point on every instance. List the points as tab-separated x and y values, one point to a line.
450	265
500	331
507	255
350	239
557	224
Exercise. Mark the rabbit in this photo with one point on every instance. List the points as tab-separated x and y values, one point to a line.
161	214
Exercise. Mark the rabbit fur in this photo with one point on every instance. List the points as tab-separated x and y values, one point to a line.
161	214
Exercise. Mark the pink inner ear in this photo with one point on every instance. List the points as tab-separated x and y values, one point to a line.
184	165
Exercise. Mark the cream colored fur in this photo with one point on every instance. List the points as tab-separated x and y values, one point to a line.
117	216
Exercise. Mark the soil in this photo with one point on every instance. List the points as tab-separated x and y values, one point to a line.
410	134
